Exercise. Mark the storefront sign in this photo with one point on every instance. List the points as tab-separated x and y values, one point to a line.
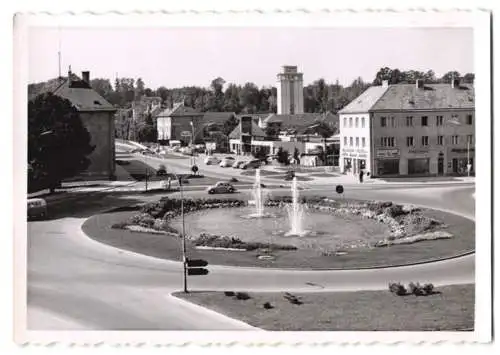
461	150
387	153
355	152
418	151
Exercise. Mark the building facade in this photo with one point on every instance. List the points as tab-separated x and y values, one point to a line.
98	117
410	130
179	123
290	91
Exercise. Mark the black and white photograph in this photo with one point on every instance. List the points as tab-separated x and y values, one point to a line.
275	177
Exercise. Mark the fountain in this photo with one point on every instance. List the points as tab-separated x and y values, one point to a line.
258	200
296	213
257	195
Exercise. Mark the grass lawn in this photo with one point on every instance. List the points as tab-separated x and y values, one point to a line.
451	309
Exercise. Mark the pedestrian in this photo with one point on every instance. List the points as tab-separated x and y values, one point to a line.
361	173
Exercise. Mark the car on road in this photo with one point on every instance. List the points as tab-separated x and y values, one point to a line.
211	160
162	170
237	164
252	164
37	208
226	162
221	188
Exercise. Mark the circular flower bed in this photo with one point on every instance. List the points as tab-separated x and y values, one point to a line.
407	224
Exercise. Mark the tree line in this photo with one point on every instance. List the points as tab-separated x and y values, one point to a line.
319	96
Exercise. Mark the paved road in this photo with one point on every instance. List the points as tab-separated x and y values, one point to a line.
76	283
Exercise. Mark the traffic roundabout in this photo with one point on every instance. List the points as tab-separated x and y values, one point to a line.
331	234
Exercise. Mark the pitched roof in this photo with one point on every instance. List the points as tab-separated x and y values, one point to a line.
366	100
302	120
217	117
430	97
256	131
82	96
179	110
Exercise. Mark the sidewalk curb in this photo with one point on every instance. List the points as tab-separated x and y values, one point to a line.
240	324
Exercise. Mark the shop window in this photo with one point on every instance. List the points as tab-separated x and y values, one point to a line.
440	140
363	142
383	121
424	120
425	140
439	120
409	141
409	121
418	166
388	167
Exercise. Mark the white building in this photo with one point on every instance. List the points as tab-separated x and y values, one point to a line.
409	129
290	91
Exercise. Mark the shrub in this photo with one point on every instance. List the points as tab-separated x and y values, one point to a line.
395	211
242	296
268	305
229	293
119	225
143	219
397	288
292	298
428	288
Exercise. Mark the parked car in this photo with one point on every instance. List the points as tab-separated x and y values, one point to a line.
212	160
237	164
252	164
226	162
221	188
37	207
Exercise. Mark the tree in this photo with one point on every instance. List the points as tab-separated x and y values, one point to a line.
229	125
139	89
469	78
58	142
282	156
296	155
147	133
446	78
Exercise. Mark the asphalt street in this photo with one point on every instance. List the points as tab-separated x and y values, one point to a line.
76	283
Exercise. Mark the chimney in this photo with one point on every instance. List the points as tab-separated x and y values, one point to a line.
455	83
419	83
385	83
86	76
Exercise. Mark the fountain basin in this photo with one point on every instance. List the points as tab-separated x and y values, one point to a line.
323	231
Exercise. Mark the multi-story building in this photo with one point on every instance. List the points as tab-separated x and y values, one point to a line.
409	129
290	91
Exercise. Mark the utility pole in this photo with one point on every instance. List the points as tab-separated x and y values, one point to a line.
468	158
184	258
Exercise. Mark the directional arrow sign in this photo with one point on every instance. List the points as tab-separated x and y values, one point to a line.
197	271
196	262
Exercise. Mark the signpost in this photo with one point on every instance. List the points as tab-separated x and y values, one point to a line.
196	267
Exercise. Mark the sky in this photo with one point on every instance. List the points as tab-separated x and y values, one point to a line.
176	57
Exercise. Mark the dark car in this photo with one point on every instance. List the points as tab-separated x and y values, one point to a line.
252	164
37	208
221	188
162	170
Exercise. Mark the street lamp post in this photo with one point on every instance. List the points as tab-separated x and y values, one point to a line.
184	258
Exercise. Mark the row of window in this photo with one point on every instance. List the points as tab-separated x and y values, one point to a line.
391	121
351	140
424	141
356	122
424	121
